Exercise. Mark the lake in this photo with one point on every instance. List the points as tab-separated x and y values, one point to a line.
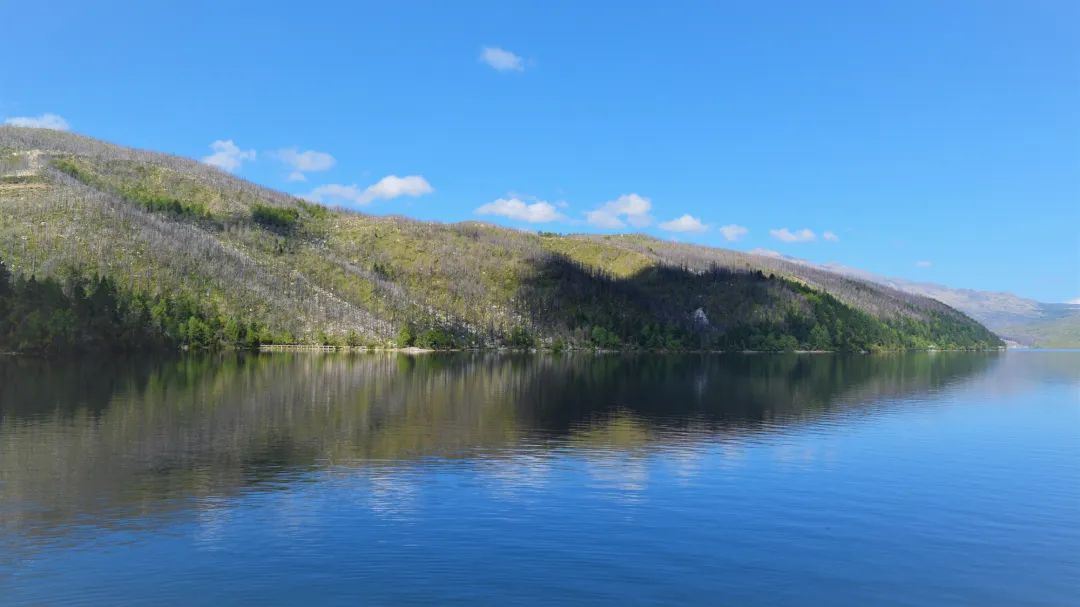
908	479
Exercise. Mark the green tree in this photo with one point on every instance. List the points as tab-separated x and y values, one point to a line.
405	337
819	338
521	338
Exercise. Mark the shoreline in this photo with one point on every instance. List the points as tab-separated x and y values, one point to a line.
415	351
322	348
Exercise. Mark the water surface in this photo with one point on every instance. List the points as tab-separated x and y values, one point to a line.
945	478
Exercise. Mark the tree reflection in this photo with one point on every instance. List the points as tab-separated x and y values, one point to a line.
108	438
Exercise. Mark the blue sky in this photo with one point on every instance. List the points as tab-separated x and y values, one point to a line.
935	141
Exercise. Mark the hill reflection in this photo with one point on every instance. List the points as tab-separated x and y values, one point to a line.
98	438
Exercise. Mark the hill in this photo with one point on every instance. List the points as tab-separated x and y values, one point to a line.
199	257
1049	332
1018	319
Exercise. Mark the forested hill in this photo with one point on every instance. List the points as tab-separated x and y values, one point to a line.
175	252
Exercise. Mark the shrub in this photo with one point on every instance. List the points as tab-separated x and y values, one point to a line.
279	218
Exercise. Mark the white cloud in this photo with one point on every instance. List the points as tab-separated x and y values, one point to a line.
686	223
387	188
1074	301
923	264
786	235
626	209
393	186
44	121
307	161
830	236
514	208
733	232
227	155
502	60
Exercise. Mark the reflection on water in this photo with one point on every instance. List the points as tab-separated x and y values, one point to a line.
91	447
137	433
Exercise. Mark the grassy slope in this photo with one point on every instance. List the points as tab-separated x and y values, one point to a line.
158	223
1063	332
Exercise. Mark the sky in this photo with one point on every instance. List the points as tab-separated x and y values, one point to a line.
928	140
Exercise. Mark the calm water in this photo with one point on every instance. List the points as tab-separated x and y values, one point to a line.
505	479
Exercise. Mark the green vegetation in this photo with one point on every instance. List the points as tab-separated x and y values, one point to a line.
139	193
735	311
51	317
161	228
278	218
316	211
430	339
1061	332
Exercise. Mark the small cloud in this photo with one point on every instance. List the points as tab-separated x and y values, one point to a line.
733	232
1075	302
393	186
765	252
923	264
302	162
502	60
44	121
514	208
227	155
786	235
830	236
626	209
387	188
686	223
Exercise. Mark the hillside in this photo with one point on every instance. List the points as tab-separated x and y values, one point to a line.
204	258
1024	321
1018	319
1052	330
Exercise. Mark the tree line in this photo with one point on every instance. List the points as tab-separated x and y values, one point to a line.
52	316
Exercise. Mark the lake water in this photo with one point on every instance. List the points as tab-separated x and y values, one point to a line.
919	479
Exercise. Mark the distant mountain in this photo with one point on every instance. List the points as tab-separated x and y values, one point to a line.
194	256
1017	319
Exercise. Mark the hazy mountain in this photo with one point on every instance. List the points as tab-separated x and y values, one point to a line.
166	229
